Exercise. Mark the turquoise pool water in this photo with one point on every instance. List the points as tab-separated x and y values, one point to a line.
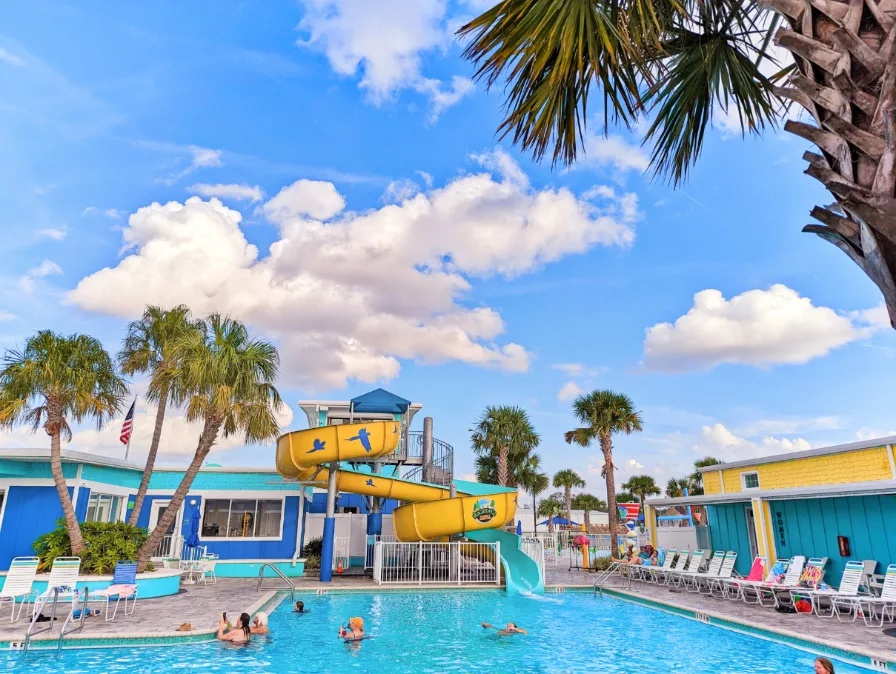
436	632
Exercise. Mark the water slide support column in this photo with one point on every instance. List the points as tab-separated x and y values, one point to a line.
326	553
427	449
375	516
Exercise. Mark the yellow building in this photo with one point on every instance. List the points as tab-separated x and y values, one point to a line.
836	502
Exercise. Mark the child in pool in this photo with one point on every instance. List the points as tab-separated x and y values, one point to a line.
507	631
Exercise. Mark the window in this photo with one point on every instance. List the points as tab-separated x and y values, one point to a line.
750	480
103	508
242	518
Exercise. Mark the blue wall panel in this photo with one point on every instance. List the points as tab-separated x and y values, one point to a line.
30	512
81	505
728	531
319	503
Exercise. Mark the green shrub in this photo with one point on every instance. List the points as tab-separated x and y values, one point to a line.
312	562
105	544
601	563
313	548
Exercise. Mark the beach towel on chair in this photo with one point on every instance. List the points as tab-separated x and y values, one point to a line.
811	576
757	571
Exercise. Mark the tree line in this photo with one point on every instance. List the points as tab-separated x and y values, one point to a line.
211	367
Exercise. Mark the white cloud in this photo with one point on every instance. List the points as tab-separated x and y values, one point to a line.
569	391
578	370
6	316
633	466
867	433
55	233
789	426
717	441
46	268
614	151
757	327
114	213
469	477
349	296
248	193
10	58
384	43
200	157
400	190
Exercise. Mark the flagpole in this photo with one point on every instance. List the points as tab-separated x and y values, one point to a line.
131	434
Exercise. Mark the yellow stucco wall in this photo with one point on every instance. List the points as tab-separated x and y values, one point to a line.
862	465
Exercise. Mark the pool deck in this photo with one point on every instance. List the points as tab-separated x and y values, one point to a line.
827	633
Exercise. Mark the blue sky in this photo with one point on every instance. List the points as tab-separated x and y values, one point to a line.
369	221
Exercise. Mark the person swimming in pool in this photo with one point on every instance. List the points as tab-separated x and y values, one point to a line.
507	631
355	631
300	607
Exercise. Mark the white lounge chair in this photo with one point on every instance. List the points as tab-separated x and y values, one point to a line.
679	565
733	588
709	584
787	594
873	609
763	593
692	579
852	578
694	563
17	588
653	573
64	576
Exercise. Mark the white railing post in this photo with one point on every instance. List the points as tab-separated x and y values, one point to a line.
420	563
498	563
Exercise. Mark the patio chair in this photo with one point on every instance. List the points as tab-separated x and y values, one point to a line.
679	565
207	568
124	586
709	584
873	609
762	593
17	586
852	578
64	576
692	580
732	588
675	577
811	577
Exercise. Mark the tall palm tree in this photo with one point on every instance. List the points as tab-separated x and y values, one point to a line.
678	61
567	480
149	348
533	481
550	508
696	478
675	487
505	433
587	503
641	486
55	380
228	384
603	414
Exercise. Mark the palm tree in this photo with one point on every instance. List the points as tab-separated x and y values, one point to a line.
53	381
227	384
587	503
641	486
550	508
567	480
506	434
676	62
602	414
696	478
675	487
149	348
625	497
533	481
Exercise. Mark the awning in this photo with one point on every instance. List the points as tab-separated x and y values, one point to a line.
380	401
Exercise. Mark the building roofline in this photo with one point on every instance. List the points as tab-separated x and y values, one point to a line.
818	491
33	454
804	454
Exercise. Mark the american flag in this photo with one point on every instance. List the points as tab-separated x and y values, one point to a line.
128	425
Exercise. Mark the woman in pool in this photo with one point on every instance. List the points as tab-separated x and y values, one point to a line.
507	631
355	631
260	623
824	666
240	635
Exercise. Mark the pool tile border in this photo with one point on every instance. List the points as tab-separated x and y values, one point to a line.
881	661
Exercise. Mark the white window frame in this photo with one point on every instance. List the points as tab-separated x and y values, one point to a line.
122	502
743	480
247	497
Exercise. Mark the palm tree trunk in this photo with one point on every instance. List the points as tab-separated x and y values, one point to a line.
151	459
587	521
54	426
206	440
606	446
568	495
846	80
502	466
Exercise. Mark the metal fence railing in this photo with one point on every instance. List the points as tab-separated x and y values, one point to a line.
422	563
340	551
170	546
534	548
372	540
441	471
551	547
598	546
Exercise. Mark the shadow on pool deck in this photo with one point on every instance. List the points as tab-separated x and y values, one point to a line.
830	631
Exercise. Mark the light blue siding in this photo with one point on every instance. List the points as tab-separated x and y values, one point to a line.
728	531
120	477
223	480
34	469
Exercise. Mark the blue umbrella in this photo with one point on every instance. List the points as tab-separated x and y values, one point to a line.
193	538
519	527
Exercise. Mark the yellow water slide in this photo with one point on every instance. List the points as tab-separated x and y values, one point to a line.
430	512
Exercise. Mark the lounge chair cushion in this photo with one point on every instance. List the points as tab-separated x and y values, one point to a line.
116	591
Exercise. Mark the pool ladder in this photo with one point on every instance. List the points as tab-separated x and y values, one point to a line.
38	611
624	574
290	586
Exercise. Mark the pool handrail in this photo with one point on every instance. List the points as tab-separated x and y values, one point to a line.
290	585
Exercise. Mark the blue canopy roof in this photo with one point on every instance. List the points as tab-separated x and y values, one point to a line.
380	401
560	520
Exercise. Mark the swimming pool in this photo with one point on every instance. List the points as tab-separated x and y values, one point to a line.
440	632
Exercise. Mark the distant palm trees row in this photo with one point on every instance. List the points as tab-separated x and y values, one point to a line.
504	441
210	367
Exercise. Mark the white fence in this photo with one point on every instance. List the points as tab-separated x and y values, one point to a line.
534	548
341	551
372	540
421	563
171	546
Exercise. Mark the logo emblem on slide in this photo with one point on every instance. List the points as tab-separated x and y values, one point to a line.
484	510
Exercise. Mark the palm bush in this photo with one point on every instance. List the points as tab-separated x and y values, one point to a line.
105	544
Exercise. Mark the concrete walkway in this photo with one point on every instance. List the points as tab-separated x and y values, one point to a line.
854	637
